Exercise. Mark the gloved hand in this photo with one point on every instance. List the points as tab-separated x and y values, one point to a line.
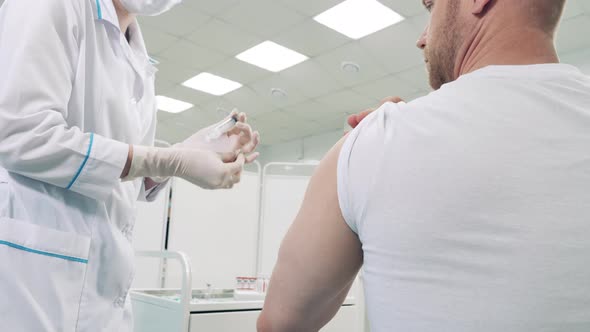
206	169
239	138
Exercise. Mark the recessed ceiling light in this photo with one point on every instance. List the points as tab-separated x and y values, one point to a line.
171	105
271	56
359	18
212	84
278	93
350	67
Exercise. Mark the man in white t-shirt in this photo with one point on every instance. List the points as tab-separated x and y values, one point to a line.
468	209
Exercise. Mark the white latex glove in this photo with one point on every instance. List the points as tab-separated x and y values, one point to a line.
239	138
206	169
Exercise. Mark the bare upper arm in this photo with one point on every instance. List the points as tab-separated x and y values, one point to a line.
318	260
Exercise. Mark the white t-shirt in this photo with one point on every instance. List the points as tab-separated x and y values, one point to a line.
473	204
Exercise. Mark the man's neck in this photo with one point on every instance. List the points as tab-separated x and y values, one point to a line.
504	45
125	18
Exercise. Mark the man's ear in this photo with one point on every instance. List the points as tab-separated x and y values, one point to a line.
479	6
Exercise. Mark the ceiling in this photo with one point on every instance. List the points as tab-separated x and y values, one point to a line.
206	35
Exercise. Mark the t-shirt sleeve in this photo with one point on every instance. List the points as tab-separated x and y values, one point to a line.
343	174
359	162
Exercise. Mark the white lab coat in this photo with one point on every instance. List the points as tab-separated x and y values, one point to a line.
73	95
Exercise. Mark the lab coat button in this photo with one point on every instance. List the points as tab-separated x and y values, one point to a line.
120	302
127	232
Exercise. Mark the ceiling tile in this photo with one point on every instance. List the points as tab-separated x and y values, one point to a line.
187	54
173	72
571	36
271	136
247	100
189	95
223	37
580	59
163	86
157	41
311	38
331	62
419	22
392	85
394	47
417	77
180	21
265	18
311	79
299	127
309	110
294	127
330	122
277	81
244	100
311	7
346	101
573	8
170	132
406	8
212	7
194	119
239	71
417	94
219	108
164	116
278	119
295	134
271	126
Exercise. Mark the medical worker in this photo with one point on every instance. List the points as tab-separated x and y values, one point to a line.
77	126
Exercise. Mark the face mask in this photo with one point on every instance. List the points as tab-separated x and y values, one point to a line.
148	7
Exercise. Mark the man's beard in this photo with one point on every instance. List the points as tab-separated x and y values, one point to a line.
442	54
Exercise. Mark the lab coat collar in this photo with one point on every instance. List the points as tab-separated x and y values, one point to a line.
135	50
105	10
139	49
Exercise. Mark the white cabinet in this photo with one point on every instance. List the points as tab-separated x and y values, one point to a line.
160	310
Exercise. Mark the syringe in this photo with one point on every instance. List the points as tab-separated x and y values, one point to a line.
222	128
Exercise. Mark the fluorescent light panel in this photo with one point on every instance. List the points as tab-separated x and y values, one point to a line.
212	84
271	56
359	18
171	105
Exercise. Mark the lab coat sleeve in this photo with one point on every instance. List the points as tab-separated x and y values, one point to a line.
39	50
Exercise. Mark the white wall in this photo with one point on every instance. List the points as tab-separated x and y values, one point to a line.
217	229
